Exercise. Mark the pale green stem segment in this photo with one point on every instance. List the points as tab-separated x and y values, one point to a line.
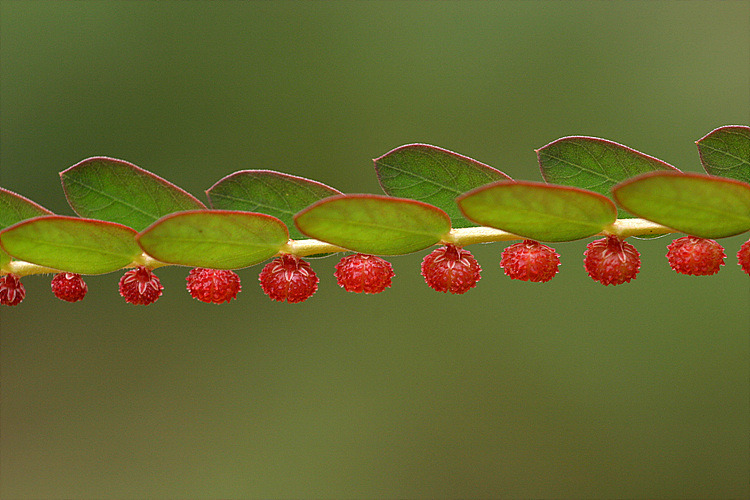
471	235
302	248
147	261
635	227
22	268
460	237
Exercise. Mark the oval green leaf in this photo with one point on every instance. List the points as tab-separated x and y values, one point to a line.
117	191
539	211
433	175
374	224
268	192
594	164
725	152
217	239
15	208
70	244
695	204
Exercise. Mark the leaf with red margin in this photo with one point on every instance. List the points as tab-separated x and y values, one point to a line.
374	224
433	175
594	164
695	204
265	191
15	208
71	244
539	211
725	152
117	191
217	239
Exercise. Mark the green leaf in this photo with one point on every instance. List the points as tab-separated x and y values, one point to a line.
268	192
539	211
70	244
118	191
695	204
373	224
726	152
217	239
15	208
433	175
594	164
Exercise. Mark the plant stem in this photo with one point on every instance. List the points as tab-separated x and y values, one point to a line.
636	227
303	248
460	237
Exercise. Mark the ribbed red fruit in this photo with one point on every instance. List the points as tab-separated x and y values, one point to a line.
743	257
12	291
69	287
611	261
213	285
140	286
695	256
288	279
530	261
364	273
451	269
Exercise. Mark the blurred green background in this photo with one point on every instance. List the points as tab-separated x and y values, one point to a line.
561	390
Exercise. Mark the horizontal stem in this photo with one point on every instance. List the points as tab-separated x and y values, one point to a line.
636	227
460	237
303	248
464	236
22	268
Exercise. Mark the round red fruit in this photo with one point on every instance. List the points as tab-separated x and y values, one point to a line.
611	261
69	287
695	256
743	257
213	285
140	286
364	273
288	279
530	261
12	291
451	269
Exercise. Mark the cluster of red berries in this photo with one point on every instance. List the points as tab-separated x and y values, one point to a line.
12	291
451	269
69	287
611	261
696	256
530	261
360	273
288	278
213	285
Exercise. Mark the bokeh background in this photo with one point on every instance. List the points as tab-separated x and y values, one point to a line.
561	390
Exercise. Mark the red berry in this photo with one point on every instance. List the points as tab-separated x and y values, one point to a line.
611	261
12	291
364	273
69	287
743	257
288	278
140	286
530	261
213	285
695	256
451	269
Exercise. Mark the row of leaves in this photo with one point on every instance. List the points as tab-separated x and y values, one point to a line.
126	211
